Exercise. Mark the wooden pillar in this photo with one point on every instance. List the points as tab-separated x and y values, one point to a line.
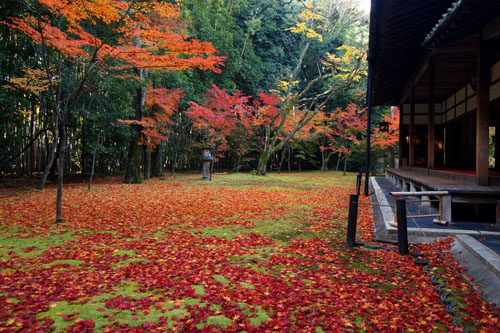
411	150
497	141
431	118
482	117
401	137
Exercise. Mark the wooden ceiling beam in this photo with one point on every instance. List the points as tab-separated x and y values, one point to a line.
492	30
449	68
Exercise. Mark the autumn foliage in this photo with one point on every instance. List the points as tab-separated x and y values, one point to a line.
224	114
146	34
228	256
388	139
160	105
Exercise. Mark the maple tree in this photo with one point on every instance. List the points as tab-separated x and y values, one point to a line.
390	138
349	124
160	105
232	120
138	35
261	48
220	116
337	74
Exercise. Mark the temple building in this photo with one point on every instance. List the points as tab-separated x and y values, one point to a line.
439	61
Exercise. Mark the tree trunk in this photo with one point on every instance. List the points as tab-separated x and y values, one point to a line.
324	166
132	171
289	159
60	174
282	158
50	162
345	164
31	160
157	163
93	164
338	162
84	149
263	160
176	153
238	163
147	162
53	169
212	164
324	156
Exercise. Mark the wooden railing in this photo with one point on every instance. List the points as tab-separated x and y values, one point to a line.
442	195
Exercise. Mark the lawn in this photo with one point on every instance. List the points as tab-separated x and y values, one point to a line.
239	253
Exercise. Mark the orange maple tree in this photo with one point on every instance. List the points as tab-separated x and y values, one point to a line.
102	35
385	140
64	26
161	104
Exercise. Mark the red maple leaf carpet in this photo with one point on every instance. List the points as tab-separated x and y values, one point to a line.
240	253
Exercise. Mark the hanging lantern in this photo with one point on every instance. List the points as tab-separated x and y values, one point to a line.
383	126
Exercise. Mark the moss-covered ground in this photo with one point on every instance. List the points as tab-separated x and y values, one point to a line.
238	253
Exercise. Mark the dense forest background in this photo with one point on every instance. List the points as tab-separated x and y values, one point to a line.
273	50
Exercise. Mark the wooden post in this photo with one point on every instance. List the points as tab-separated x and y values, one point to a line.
482	117
401	137
431	118
351	220
497	142
411	157
402	226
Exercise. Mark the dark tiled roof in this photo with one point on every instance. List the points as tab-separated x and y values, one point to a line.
397	30
444	21
405	33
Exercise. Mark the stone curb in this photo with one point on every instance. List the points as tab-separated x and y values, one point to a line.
481	251
387	213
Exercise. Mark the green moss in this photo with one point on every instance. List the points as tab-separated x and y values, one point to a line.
256	313
199	290
74	312
358	321
442	327
129	289
65	314
221	279
219	320
13	300
281	182
193	301
282	230
70	262
122	253
33	246
129	261
247	285
215	307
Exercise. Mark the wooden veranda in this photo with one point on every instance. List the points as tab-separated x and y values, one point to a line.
439	61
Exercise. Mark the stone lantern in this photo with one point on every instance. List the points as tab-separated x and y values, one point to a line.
383	126
207	158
